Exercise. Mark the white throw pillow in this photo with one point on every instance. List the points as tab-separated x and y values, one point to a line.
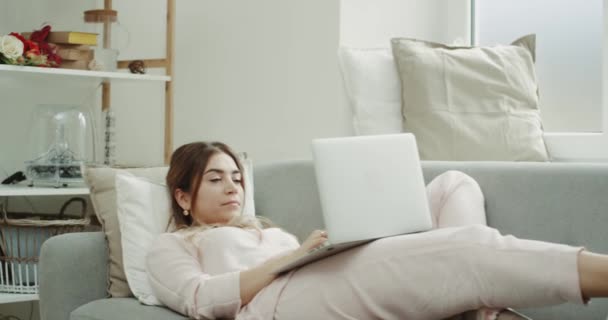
102	184
144	212
249	205
373	89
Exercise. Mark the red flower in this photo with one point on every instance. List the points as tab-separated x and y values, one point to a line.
36	51
31	45
18	35
54	60
41	35
45	48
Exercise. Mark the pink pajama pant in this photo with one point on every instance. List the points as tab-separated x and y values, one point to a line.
462	265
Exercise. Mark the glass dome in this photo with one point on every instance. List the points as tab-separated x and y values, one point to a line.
62	140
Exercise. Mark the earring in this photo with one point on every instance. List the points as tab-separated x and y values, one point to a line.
186	213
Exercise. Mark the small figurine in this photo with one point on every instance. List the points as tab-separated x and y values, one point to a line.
137	66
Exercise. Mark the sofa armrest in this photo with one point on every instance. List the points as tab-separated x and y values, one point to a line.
72	272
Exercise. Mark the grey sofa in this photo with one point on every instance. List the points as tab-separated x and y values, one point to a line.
558	202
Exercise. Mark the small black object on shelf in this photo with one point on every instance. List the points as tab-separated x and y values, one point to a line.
14	178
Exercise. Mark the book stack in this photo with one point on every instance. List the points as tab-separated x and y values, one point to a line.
74	48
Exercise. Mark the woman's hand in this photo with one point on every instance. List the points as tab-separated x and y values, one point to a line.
314	240
256	278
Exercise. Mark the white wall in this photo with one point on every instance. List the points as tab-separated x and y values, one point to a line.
365	23
261	76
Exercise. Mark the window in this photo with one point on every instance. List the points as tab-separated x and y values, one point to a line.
569	64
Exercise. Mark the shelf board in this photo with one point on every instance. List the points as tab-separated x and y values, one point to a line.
17	297
83	73
24	190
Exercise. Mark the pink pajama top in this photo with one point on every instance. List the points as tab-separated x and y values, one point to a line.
198	274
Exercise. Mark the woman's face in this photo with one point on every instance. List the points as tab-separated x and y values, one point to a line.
220	195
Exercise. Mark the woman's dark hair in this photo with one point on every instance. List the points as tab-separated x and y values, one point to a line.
186	170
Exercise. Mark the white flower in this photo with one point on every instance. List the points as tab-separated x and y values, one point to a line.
11	47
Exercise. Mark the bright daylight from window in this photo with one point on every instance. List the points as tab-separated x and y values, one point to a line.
569	40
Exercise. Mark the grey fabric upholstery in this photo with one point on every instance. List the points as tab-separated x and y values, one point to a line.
72	271
122	309
557	202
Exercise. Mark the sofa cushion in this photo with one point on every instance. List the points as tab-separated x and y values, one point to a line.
144	213
103	197
471	103
122	309
373	89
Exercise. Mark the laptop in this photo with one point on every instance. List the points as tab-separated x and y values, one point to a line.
370	187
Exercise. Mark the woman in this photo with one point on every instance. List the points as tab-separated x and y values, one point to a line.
218	264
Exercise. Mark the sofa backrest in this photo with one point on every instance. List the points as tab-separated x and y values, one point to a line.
286	193
558	202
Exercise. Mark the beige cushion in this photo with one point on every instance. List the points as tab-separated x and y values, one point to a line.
471	103
103	197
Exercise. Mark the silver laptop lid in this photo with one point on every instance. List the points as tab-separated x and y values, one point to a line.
370	186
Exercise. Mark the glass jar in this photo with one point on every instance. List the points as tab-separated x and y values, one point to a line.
62	141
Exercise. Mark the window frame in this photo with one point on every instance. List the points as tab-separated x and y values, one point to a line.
573	146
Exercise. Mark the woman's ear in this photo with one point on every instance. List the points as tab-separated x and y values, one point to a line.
183	199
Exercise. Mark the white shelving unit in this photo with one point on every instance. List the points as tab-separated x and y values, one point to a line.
101	75
24	190
69	75
17	297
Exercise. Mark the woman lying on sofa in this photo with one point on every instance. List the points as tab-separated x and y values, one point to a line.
219	263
